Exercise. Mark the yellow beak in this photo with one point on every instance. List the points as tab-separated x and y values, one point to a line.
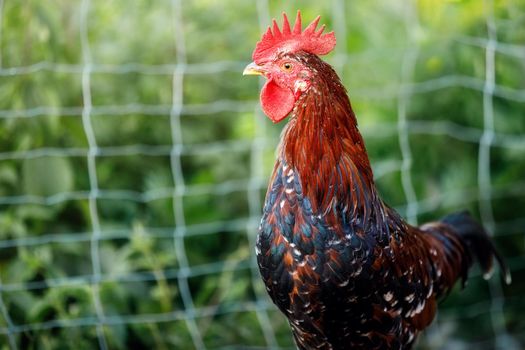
253	69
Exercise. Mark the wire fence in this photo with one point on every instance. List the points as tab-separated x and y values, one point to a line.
258	148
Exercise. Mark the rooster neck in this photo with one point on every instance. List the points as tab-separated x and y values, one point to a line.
323	145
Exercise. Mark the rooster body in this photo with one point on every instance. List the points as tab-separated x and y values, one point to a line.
345	269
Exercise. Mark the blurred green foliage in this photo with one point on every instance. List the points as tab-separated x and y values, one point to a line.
46	226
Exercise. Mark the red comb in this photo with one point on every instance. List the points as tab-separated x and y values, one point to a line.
295	40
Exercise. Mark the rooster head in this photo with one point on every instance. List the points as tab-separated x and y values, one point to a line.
277	58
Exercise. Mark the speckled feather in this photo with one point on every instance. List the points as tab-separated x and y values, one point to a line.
343	267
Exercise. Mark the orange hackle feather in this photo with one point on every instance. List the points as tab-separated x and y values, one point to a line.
293	40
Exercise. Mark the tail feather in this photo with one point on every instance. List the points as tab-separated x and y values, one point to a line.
478	242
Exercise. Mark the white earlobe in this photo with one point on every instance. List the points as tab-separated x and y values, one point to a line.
300	85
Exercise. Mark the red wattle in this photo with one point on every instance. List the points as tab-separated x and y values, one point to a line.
277	102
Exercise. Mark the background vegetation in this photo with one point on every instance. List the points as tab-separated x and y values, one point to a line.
153	248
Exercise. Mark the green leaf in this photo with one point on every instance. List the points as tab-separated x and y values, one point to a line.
47	176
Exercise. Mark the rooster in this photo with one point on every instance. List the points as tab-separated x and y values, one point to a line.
344	268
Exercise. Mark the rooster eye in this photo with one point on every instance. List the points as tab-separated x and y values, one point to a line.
287	67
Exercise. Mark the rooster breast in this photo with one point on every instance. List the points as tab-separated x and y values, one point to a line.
328	275
336	280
